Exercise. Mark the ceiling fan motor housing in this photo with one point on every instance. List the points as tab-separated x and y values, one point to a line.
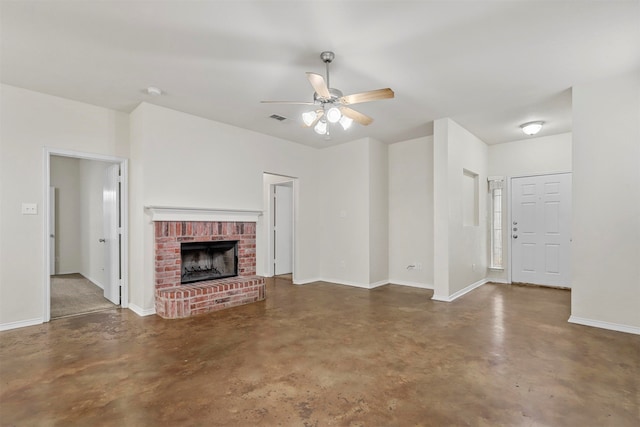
335	95
327	56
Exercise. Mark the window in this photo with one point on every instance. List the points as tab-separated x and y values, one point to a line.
496	186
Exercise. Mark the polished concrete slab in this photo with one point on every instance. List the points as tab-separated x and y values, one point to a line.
323	354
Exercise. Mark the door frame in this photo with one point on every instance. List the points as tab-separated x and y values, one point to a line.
124	212
509	210
274	217
268	220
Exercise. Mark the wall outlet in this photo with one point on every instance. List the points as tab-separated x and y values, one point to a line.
29	209
343	265
419	265
473	267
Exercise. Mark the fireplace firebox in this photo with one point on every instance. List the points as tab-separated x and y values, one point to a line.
208	260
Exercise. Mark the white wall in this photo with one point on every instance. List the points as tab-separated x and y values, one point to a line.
181	160
29	122
378	213
92	175
65	177
460	252
529	156
606	203
411	212
344	207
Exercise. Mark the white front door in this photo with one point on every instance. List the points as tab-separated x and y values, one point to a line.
111	220
283	229
540	229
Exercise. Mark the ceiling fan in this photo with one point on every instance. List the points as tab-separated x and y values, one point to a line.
331	106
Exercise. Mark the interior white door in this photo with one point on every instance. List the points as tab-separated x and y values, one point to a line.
111	223
52	230
283	229
541	229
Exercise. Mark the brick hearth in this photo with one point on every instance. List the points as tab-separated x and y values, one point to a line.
174	300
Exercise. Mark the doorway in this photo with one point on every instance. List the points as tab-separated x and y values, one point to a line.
283	229
279	224
540	230
85	233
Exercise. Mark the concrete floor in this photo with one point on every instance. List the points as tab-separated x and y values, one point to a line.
324	354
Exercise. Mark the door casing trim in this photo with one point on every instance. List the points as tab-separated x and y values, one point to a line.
124	212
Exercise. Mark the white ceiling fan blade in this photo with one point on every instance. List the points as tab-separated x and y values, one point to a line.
372	95
356	116
319	85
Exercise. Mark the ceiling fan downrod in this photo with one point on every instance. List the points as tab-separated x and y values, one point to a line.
327	57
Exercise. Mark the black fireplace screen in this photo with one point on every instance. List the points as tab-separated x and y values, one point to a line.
208	260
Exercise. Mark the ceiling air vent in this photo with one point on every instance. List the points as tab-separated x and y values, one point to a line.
277	117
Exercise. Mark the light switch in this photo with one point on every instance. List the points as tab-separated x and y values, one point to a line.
29	209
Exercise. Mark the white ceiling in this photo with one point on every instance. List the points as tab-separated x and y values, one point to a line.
489	65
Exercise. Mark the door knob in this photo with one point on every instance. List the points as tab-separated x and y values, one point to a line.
102	240
515	236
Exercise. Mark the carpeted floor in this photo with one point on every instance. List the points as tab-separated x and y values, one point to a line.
74	294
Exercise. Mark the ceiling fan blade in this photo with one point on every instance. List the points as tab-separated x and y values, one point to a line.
356	116
372	95
288	102
319	85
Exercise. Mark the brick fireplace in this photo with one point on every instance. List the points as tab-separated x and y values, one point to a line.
176	300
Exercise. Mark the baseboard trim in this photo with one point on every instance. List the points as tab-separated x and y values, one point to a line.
344	283
411	284
500	281
141	311
21	324
460	293
605	325
305	281
92	280
378	284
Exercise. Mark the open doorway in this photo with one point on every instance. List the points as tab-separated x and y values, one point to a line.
85	232
280	221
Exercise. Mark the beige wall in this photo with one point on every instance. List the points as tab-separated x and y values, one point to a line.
411	212
185	161
344	219
29	122
606	203
531	156
378	213
65	177
460	251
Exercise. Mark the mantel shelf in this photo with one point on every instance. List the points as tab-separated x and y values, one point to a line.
173	213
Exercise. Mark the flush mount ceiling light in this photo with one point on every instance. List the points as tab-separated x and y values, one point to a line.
531	128
154	91
331	106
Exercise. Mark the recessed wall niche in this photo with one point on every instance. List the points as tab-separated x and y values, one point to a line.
470	199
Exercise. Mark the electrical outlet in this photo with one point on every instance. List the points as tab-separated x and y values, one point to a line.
343	265
29	209
473	267
419	265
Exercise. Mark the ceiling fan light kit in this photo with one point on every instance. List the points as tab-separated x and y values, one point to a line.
330	105
531	128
